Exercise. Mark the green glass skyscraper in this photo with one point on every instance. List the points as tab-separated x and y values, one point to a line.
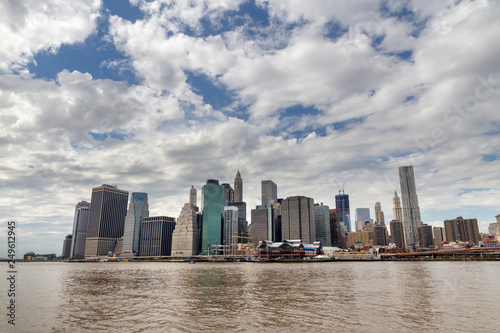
213	215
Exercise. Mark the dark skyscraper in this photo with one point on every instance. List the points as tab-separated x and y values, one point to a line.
411	210
397	233
269	192
425	236
238	188
156	236
106	220
342	207
297	219
80	223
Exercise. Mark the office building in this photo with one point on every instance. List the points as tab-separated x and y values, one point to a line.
380	237
439	236
186	235
338	236
411	209
397	233
228	194
213	215
462	230
156	236
67	247
362	214
269	192
108	208
238	188
137	209
360	237
298	219
261	227
425	238
381	218
193	198
230	232
322	216
378	208
242	220
397	211
79	236
342	207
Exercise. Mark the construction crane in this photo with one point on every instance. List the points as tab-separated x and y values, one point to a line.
340	190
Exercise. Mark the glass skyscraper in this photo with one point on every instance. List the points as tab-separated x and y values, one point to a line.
342	206
138	208
213	197
269	192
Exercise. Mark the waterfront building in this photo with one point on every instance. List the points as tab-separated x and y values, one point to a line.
186	235
380	237
342	206
137	209
338	236
439	236
213	215
364	237
425	236
269	192
230	231
156	236
411	209
397	233
67	247
322	222
242	220
397	211
378	208
79	235
228	194
462	230
238	188
262	217
298	219
492	229
108	208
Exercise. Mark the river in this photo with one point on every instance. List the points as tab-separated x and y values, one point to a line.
438	296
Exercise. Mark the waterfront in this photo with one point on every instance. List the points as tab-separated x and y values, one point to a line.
241	297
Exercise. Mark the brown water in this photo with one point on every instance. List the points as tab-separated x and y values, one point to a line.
244	297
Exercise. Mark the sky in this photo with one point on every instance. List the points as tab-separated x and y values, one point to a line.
159	96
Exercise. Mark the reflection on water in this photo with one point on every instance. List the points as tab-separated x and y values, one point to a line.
242	297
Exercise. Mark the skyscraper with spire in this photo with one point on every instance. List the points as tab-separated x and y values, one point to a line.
238	188
397	211
411	210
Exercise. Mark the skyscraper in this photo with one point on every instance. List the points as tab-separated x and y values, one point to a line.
298	219
242	219
411	210
378	208
156	236
262	223
425	238
238	188
397	233
138	208
462	230
230	231
380	235
80	223
213	215
322	222
397	211
66	247
186	235
193	198
269	192
439	236
228	194
106	220
362	214
342	206
381	218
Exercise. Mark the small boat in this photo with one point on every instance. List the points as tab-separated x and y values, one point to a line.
192	262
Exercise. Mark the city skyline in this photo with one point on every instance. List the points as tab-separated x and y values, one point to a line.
157	98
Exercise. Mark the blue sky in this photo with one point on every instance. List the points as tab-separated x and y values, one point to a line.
156	96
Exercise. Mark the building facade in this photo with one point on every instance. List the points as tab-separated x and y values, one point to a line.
462	230
298	219
186	235
213	215
378	209
261	218
363	215
108	208
425	238
242	220
269	192
137	209
238	188
380	237
230	232
228	194
439	236
342	207
411	209
397	211
322	216
156	236
79	235
397	233
66	250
